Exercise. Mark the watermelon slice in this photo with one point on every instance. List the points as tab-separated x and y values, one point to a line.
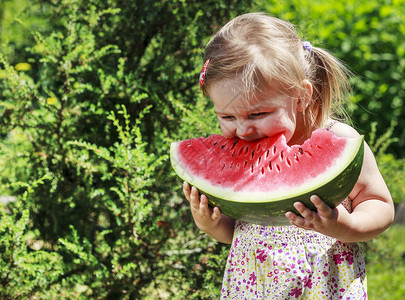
259	181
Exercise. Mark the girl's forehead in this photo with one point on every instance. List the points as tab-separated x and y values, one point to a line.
230	94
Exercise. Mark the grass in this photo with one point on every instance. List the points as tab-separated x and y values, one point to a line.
385	260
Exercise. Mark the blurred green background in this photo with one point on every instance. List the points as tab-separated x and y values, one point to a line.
92	93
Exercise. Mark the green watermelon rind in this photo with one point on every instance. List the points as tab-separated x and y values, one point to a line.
266	213
272	211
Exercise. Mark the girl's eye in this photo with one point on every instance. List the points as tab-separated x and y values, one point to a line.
257	115
228	118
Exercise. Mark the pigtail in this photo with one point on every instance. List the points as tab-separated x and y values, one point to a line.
330	80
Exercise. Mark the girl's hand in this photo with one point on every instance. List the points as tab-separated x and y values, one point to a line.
372	206
331	222
204	217
211	221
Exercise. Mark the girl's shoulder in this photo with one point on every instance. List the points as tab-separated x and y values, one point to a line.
341	129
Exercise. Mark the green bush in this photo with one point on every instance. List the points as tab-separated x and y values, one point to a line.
23	271
392	169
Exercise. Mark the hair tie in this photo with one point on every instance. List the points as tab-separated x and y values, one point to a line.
307	46
203	71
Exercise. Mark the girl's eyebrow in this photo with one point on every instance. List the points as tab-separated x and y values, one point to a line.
259	106
251	109
230	112
220	112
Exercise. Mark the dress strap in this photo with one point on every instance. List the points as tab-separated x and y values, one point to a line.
331	124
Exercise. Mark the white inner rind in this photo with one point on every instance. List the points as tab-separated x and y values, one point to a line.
345	158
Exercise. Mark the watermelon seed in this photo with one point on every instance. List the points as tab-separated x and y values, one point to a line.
270	166
251	169
274	149
319	147
296	157
244	166
240	151
282	155
247	149
262	170
259	160
288	162
300	150
216	143
234	143
278	168
253	153
223	146
309	153
223	167
267	153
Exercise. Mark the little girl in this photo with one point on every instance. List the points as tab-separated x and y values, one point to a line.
263	80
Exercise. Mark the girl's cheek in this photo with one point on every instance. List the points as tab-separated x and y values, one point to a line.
227	131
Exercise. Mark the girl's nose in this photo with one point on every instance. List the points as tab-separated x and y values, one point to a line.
244	129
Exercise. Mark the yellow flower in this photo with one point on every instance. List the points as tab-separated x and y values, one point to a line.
51	101
23	67
3	74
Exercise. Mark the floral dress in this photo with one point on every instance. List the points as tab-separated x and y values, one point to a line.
287	262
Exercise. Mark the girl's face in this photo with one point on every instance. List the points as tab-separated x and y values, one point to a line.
272	113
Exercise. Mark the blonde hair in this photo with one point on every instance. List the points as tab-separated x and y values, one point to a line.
263	50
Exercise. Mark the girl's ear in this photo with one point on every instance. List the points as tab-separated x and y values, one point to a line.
304	101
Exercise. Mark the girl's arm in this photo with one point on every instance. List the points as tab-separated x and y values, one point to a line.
373	208
211	221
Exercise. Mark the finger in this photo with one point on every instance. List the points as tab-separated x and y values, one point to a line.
305	212
291	216
216	213
323	209
204	204
186	190
204	208
295	219
194	198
